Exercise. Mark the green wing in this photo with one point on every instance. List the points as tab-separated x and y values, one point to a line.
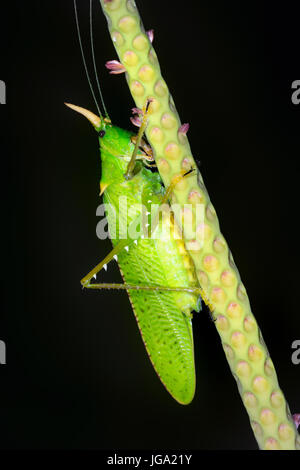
166	331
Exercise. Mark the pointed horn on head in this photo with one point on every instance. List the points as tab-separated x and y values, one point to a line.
93	118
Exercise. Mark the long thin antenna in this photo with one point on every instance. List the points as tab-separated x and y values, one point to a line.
83	59
94	61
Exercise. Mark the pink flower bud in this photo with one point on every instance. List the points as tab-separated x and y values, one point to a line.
115	67
296	418
136	111
150	34
183	128
136	121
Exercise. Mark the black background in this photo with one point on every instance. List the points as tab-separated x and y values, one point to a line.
77	375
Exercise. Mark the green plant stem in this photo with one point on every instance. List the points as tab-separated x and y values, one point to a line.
242	341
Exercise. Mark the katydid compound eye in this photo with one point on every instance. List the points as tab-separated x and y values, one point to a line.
102	133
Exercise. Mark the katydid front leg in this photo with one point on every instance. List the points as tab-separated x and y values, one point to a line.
129	172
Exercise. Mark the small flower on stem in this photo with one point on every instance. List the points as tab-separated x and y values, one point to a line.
136	121
137	118
150	34
296	418
183	129
136	111
115	67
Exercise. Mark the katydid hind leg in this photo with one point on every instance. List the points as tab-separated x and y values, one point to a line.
153	288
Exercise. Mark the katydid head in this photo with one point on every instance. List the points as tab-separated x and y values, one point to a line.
116	149
115	144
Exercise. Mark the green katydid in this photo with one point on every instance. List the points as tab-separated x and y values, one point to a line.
158	272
